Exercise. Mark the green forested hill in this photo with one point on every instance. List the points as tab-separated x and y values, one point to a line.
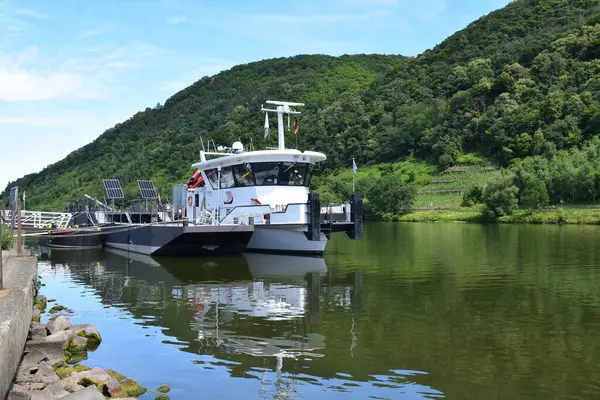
522	81
161	143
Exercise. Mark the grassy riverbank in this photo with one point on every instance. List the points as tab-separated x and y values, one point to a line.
556	216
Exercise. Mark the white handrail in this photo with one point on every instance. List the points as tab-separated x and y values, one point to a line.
43	219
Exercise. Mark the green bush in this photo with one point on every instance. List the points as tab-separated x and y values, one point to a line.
472	197
390	194
500	198
5	239
534	195
471	159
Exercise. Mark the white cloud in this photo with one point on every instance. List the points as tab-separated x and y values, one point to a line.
176	20
50	136
30	13
28	121
27	76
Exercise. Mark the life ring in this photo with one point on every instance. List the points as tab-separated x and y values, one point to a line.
190	201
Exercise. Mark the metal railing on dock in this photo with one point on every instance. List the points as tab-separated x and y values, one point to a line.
42	219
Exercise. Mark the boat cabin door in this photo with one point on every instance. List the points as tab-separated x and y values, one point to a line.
196	203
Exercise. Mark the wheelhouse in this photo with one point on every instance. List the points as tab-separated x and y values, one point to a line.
260	174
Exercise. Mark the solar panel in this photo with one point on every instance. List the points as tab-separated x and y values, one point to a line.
147	190
113	189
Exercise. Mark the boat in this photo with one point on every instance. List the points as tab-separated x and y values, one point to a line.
145	231
269	189
75	237
235	201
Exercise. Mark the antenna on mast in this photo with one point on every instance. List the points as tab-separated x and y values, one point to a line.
283	107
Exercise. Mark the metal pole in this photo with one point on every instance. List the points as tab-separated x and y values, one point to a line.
1	239
280	132
219	196
19	247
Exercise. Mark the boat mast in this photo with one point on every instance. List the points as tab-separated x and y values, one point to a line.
283	107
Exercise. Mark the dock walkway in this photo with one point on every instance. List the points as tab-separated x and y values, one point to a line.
20	275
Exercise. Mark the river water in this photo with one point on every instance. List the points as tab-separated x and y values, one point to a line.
413	311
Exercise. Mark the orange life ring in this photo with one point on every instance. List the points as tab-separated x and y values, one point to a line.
190	201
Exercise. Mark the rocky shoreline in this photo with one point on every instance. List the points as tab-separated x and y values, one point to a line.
50	367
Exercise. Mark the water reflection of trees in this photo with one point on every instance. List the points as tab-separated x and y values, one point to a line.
486	311
489	311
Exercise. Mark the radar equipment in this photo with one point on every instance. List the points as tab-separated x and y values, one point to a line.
283	107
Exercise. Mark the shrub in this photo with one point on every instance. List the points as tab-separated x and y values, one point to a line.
500	198
390	194
472	197
534	195
5	239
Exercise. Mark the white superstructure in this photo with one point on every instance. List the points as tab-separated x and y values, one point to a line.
267	188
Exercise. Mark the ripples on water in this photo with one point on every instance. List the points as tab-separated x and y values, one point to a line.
412	311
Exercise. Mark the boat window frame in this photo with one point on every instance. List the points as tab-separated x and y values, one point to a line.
305	170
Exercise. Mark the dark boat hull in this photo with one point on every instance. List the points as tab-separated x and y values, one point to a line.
170	240
79	240
182	240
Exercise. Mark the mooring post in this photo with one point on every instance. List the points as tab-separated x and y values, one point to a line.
19	245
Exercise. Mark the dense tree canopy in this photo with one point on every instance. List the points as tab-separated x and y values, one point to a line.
522	81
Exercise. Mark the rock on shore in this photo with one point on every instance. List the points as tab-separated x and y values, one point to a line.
47	372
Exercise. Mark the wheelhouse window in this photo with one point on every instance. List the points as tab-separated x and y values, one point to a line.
243	175
267	173
226	178
262	174
292	174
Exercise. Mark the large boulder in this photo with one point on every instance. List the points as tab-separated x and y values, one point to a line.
60	336
34	357
95	376
37	331
90	332
89	393
45	373
41	395
77	344
114	388
60	323
14	395
53	349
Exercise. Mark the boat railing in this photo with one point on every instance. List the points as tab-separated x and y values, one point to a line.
272	210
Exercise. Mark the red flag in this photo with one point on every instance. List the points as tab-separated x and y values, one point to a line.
296	127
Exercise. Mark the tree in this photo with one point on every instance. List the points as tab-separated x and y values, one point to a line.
472	197
391	195
534	195
500	198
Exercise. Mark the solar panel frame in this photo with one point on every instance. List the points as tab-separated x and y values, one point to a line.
113	189
147	189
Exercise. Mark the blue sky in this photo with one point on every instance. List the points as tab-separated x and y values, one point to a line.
71	69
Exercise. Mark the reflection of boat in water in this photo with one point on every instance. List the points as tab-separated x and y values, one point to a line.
223	292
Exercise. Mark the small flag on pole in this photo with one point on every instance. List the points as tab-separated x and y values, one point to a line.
296	127
266	125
